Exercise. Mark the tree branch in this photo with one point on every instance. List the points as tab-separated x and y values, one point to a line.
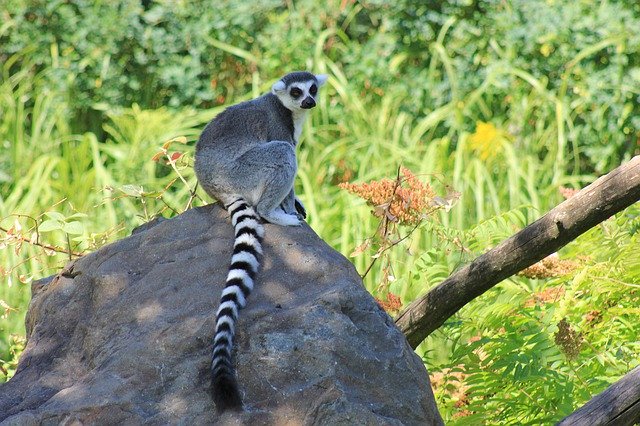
603	198
619	405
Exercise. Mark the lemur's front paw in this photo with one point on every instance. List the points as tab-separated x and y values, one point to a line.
302	213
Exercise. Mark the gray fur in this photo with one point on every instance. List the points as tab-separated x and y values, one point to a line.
248	150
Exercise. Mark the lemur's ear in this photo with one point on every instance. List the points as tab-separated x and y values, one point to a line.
322	78
278	86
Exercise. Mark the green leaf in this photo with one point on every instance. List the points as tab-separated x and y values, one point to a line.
75	215
49	225
73	228
132	190
55	216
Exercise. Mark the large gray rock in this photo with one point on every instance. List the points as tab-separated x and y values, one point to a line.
122	336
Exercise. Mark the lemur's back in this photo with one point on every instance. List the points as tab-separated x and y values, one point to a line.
247	124
246	159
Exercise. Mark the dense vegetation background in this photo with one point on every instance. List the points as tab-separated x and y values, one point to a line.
509	104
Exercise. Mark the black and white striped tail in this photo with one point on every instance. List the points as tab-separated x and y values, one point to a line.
245	262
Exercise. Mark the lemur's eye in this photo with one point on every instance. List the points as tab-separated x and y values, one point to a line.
313	90
295	92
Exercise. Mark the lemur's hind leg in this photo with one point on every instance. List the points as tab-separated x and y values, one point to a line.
292	205
274	167
288	204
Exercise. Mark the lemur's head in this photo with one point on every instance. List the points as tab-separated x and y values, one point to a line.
298	90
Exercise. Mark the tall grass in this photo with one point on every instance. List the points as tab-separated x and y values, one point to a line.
47	168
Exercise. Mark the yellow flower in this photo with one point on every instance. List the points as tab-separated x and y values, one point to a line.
546	49
487	140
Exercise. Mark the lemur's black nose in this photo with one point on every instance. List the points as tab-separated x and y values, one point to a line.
308	103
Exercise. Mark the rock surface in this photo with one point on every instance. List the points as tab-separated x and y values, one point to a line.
122	336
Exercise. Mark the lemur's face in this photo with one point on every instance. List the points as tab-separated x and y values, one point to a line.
298	91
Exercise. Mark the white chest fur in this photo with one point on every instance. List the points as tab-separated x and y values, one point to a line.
298	121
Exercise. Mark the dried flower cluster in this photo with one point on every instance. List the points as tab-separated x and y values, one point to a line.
568	192
452	382
406	200
549	267
392	304
343	172
568	339
593	317
548	295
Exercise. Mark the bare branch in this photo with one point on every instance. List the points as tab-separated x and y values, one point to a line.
24	239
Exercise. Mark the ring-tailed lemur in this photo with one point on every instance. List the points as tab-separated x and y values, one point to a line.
246	159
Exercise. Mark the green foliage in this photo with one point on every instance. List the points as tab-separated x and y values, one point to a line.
16	346
154	53
582	62
504	102
530	351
